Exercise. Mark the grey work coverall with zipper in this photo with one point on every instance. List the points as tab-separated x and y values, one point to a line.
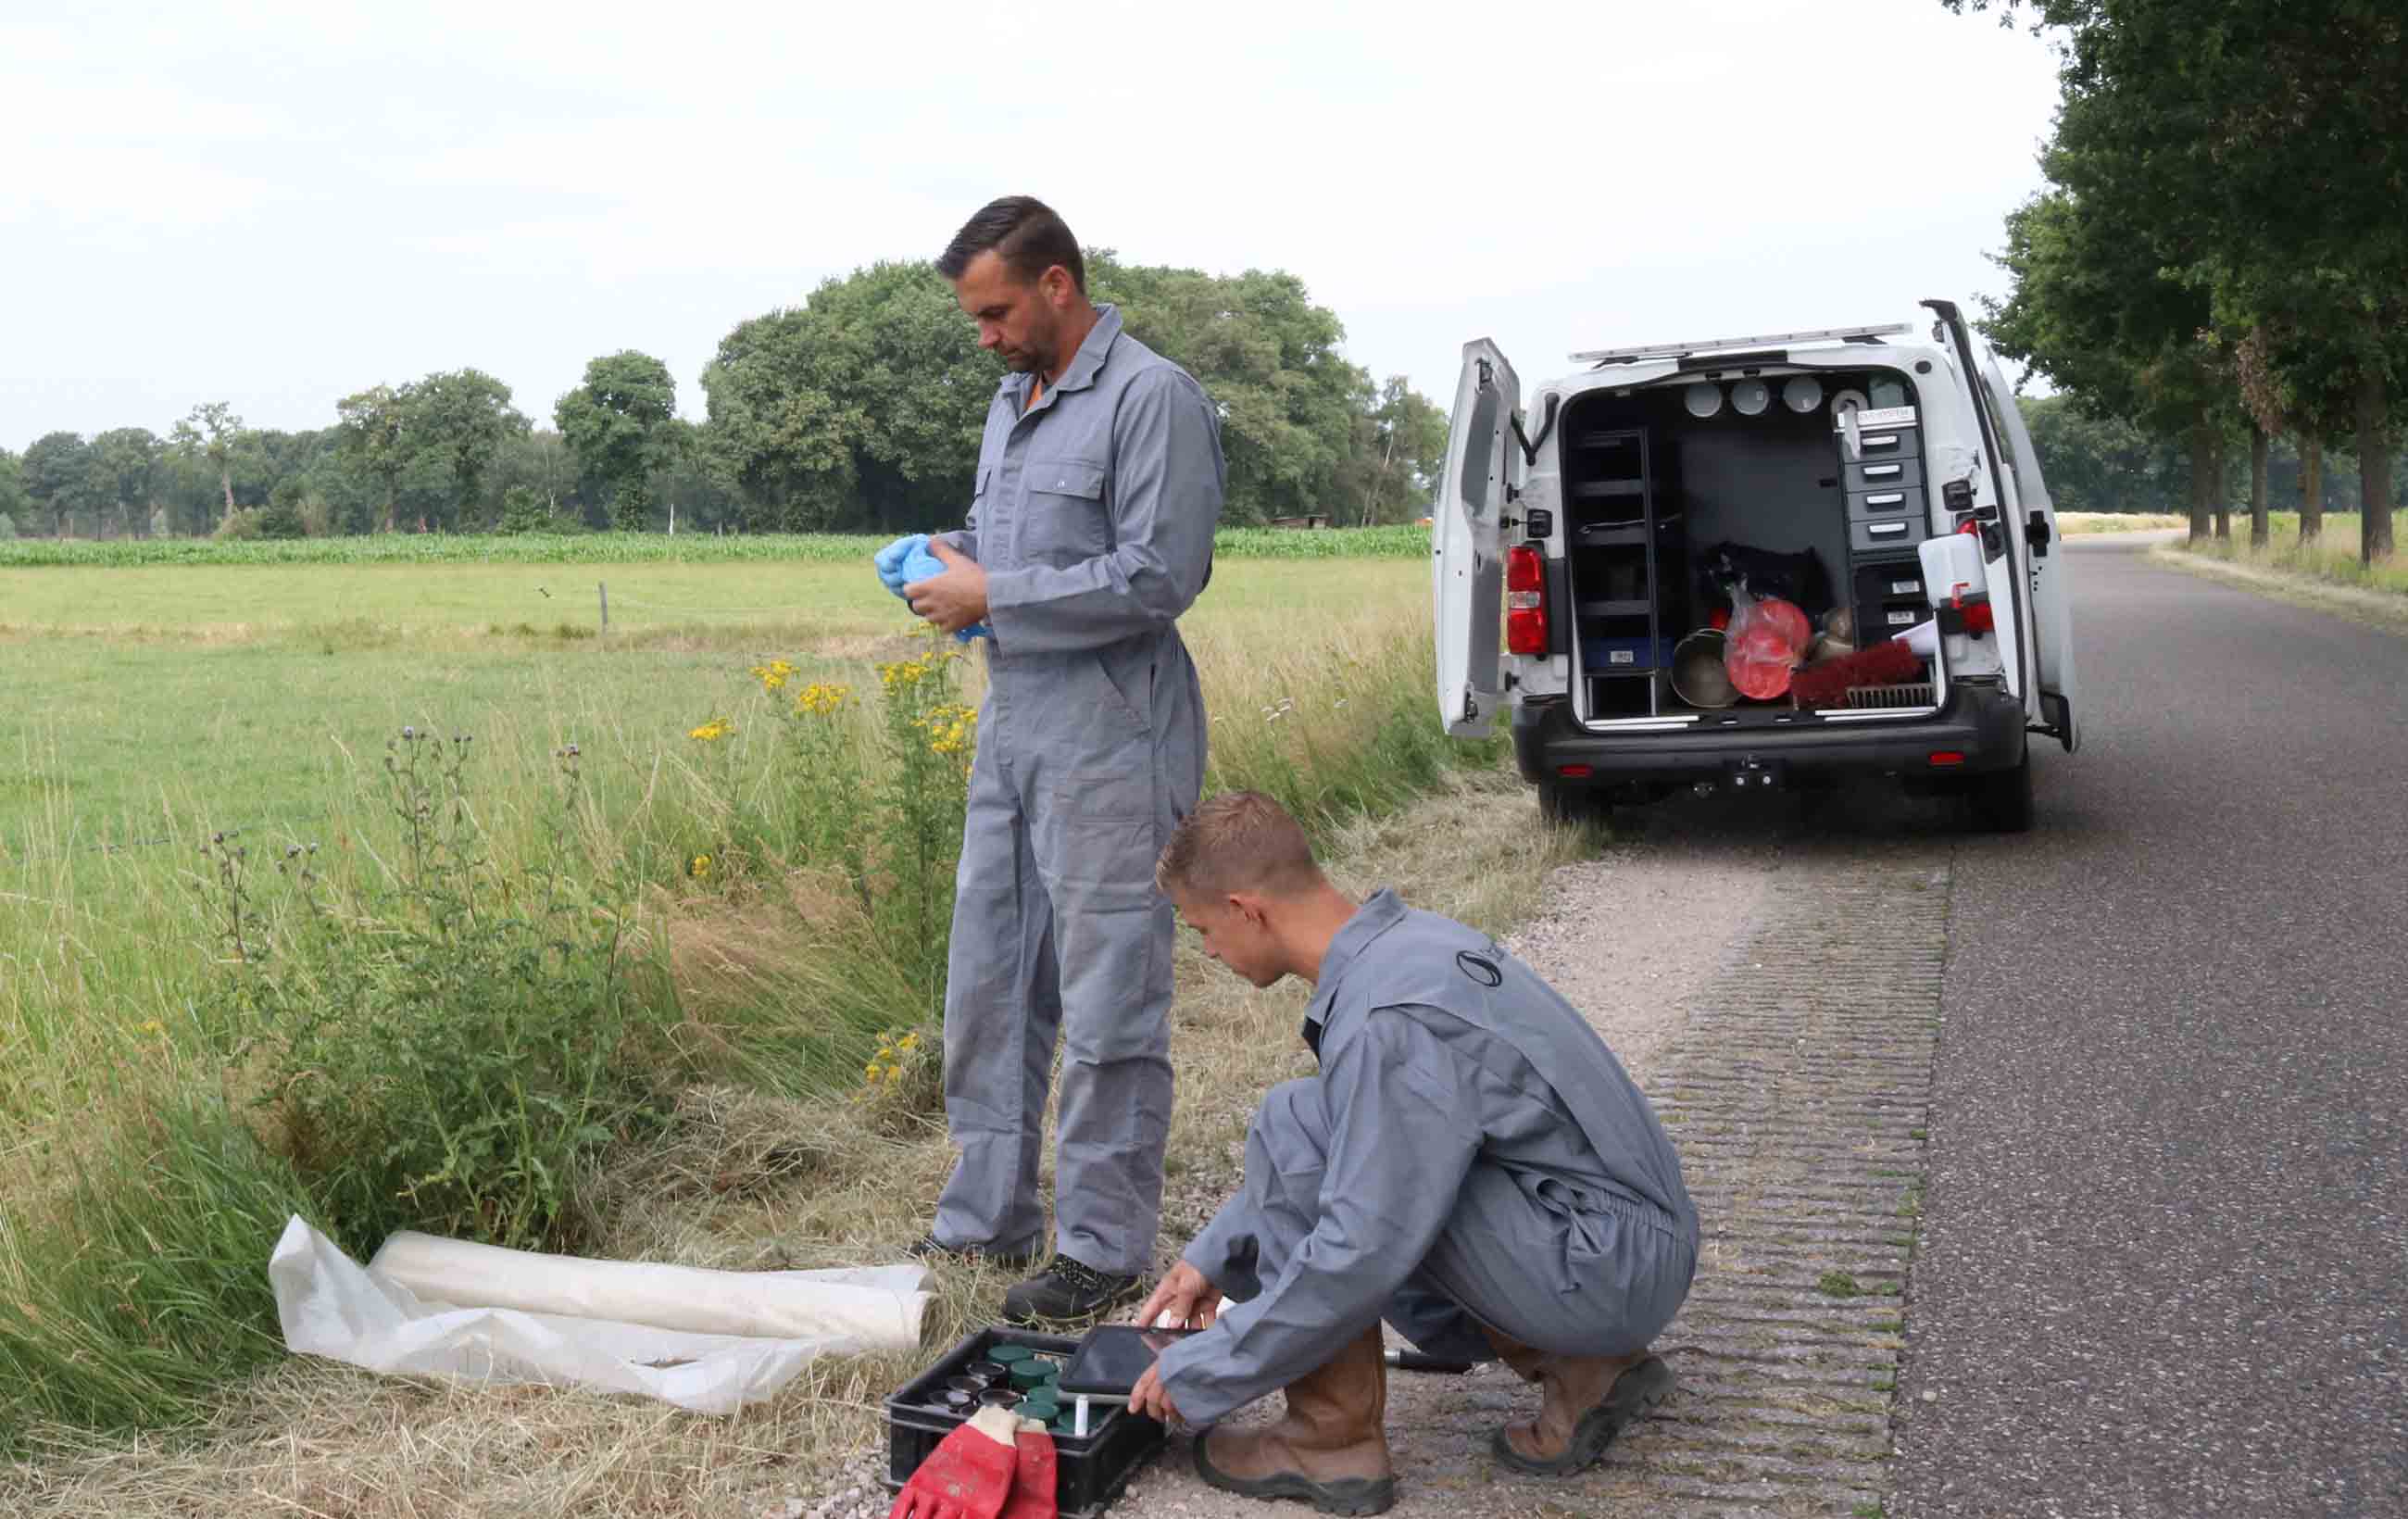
1471	1155
1093	520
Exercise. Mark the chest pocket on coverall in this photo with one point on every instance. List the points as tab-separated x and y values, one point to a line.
1065	520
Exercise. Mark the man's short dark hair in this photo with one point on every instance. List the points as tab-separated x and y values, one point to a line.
1026	234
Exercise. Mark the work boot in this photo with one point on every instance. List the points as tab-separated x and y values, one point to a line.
1330	1451
1067	1289
1585	1401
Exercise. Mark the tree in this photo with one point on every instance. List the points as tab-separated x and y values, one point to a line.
208	432
618	426
378	439
58	477
2095	308
2266	148
14	503
1269	358
125	466
1407	434
861	406
463	416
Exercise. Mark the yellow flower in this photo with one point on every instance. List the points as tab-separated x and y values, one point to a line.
701	866
870	1071
894	1074
822	698
773	674
711	732
910	1042
152	1025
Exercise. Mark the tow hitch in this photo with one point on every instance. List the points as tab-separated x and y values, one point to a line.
1753	775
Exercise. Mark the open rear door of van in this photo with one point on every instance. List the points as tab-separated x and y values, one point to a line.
1467	577
2044	553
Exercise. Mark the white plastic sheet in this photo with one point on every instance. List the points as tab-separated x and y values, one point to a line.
706	1341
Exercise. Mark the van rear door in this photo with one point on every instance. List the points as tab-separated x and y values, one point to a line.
1468	579
2052	619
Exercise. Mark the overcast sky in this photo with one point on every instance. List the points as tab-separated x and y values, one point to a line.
278	205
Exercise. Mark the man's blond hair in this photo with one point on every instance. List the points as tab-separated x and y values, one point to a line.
1238	841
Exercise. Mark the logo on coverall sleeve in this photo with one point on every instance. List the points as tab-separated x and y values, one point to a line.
1480	968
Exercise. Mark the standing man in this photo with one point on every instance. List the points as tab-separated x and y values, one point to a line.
1099	484
1472	1165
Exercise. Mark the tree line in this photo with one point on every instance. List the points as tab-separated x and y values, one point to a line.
859	410
2105	464
2220	257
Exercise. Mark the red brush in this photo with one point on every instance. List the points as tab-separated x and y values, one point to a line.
1827	685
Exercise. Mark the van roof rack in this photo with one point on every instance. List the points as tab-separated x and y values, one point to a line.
1770	340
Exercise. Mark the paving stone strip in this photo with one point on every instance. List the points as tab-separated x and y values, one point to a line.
1797	1094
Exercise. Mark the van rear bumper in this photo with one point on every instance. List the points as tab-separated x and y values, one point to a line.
1983	722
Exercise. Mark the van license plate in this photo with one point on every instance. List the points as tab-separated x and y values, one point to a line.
1623	656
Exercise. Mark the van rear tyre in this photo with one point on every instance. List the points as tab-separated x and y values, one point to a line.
2001	801
1570	806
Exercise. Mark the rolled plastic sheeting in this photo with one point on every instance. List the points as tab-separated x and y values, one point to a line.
705	1341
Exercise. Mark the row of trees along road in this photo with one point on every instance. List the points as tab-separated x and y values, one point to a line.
2221	256
860	410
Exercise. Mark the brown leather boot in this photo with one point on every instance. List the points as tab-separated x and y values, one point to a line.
1332	1448
1585	1401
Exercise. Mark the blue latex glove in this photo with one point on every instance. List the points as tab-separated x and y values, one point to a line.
907	560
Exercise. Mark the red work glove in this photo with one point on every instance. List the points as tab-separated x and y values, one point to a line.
969	1475
1032	1482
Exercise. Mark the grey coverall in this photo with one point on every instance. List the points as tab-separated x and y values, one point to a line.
1094	519
1471	1155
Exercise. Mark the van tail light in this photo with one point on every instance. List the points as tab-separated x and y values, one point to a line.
1526	600
1979	619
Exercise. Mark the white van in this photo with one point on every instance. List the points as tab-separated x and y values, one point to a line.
1877	478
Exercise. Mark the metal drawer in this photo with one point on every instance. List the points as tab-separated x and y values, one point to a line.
1886	533
1884	475
1878	506
1889	443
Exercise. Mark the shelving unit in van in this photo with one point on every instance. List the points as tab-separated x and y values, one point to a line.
1889	514
1626	550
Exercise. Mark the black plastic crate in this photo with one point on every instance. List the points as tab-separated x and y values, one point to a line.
1089	1471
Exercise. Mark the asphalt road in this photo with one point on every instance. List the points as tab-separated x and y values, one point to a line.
2165	1260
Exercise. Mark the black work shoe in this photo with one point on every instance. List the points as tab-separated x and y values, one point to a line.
1067	1289
929	1248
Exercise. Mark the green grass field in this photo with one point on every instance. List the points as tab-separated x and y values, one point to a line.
248	693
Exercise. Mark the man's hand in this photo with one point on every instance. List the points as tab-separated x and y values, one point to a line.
955	599
1186	1296
1192	1301
1147	1396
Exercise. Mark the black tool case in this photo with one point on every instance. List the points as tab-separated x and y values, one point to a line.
1090	1471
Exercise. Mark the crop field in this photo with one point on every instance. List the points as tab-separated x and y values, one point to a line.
403	895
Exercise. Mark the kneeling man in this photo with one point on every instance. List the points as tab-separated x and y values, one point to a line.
1472	1165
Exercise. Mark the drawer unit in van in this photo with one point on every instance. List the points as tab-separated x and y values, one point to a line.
1883	534
1889	598
1886	475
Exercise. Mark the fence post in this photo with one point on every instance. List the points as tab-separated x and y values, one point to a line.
604	586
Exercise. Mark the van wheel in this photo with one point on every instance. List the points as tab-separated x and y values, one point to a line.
2001	801
1568	807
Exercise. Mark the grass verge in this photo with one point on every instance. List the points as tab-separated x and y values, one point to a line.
179	1074
2329	559
745	1178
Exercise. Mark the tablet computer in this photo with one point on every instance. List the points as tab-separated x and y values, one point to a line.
1112	1357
